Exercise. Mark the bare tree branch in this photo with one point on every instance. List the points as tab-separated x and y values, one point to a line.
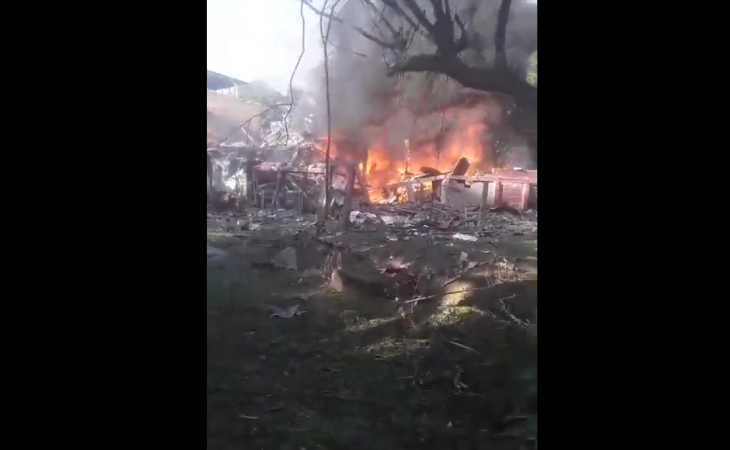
294	72
338	47
442	32
500	35
463	41
483	79
249	120
356	28
421	18
381	16
289	105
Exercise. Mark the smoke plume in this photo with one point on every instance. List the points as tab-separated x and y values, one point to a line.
363	97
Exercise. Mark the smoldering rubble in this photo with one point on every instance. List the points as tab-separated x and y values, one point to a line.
293	177
406	240
417	200
406	253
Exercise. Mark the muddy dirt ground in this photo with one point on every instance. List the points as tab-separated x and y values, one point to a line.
361	370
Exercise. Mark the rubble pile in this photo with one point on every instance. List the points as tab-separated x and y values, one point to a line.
404	222
402	252
293	177
265	155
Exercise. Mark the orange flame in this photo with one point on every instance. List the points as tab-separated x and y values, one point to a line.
385	165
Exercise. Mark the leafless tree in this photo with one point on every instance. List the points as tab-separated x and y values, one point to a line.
431	36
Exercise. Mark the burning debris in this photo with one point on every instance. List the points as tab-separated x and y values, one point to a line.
293	177
407	159
411	221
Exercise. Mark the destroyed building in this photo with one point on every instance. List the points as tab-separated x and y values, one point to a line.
446	157
429	179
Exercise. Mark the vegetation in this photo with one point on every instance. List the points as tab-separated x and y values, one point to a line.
458	372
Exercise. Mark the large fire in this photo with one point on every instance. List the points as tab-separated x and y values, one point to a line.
384	163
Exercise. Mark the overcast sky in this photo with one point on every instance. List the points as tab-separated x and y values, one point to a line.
260	39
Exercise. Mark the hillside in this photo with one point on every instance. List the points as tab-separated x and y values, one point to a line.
219	81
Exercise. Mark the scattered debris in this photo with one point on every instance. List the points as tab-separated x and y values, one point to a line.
410	260
292	177
345	281
407	252
465	347
360	218
465	237
284	313
286	259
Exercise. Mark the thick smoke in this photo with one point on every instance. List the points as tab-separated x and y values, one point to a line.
363	97
357	74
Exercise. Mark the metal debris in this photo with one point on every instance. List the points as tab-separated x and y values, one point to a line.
283	313
360	218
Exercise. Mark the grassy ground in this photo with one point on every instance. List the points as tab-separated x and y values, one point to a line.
353	373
